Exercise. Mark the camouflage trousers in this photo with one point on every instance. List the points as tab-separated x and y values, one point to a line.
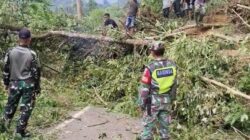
159	118
20	90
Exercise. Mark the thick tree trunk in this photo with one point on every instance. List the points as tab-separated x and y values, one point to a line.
137	42
79	9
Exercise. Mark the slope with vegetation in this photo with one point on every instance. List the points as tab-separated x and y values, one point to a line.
78	71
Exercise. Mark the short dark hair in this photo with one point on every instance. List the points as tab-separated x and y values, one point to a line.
159	52
158	49
135	1
107	14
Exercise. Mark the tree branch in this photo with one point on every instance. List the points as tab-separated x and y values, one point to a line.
232	91
244	22
243	6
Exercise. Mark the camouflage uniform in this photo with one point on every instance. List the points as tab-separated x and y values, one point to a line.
23	82
157	90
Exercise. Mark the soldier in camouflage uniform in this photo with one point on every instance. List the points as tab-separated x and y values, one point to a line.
156	93
21	76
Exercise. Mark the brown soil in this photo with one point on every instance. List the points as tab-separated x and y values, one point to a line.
236	54
217	19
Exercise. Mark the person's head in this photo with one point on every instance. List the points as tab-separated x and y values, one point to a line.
157	49
106	16
24	37
134	1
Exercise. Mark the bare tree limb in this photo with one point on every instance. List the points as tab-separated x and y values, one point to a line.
98	124
241	133
244	22
228	38
217	25
232	91
243	6
45	65
99	97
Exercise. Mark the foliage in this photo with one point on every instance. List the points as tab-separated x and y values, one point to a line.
155	5
114	74
92	5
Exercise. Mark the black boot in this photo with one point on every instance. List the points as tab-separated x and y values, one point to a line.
22	134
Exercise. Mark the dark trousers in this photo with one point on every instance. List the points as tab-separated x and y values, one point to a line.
166	12
177	8
20	90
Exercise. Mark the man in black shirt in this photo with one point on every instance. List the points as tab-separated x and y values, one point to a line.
109	22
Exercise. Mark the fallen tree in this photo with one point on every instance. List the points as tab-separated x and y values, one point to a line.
14	30
95	37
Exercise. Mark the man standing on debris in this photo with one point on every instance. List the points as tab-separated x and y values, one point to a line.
131	17
157	92
199	11
109	22
21	77
190	10
177	7
166	7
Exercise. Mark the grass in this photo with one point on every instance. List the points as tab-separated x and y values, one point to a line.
116	81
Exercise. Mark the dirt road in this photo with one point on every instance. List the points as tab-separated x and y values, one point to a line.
94	123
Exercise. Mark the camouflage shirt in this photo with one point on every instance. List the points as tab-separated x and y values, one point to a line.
150	88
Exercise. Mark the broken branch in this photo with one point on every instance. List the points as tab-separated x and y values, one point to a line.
98	124
241	133
243	6
205	25
45	65
232	91
244	22
99	97
228	38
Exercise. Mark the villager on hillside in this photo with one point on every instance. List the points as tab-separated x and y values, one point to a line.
131	16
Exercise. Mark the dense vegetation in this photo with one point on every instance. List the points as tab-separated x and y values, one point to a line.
203	111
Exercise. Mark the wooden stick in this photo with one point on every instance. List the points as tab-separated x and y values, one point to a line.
232	91
45	65
228	38
241	133
244	22
243	6
99	97
98	124
205	25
